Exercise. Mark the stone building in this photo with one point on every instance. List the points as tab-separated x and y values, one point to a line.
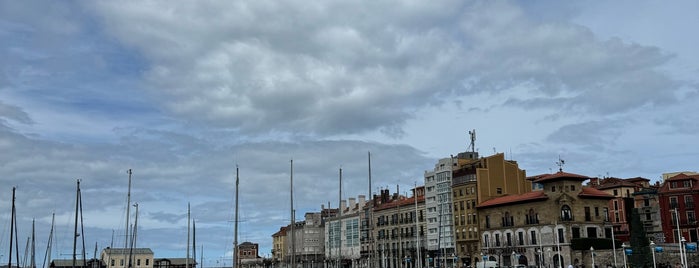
279	245
400	229
539	227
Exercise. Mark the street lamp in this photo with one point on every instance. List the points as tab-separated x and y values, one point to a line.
592	253
538	255
652	250
514	255
623	247
683	252
549	257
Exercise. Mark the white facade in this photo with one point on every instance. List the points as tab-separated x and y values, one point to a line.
438	206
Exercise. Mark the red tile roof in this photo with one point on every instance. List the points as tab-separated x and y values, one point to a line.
512	199
400	202
590	192
560	176
682	176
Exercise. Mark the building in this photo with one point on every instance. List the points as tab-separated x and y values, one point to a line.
279	245
174	263
539	227
623	203
310	240
677	197
438	202
118	257
400	229
476	180
647	201
342	243
65	263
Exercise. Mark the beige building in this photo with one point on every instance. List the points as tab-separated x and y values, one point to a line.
476	180
540	227
119	257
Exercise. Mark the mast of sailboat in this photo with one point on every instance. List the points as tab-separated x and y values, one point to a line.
33	257
186	261
12	228
417	230
128	206
75	230
47	255
235	221
339	255
370	235
194	243
134	232
293	221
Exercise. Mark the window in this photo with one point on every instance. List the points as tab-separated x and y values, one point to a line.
113	262
553	188
497	240
588	216
566	214
576	232
509	239
485	240
673	202
533	237
520	237
688	202
560	236
147	261
616	205
121	262
498	190
616	192
686	184
487	221
591	232
572	187
597	212
138	262
646	202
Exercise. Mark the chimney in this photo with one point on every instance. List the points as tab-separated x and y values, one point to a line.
343	205
362	201
352	203
594	181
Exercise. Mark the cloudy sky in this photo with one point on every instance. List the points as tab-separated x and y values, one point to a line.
182	92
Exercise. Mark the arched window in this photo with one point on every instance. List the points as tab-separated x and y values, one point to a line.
566	214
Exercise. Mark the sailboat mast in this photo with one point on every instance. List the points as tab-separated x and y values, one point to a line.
417	230
33	256
75	230
194	242
293	221
186	261
128	206
235	222
47	255
370	235
339	255
12	227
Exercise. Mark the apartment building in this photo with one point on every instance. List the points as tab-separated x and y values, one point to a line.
677	197
342	243
400	229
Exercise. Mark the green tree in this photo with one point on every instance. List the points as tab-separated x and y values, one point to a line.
640	245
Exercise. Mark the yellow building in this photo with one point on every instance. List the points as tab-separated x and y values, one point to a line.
476	180
279	245
119	257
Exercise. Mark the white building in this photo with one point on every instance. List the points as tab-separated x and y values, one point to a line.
342	241
438	204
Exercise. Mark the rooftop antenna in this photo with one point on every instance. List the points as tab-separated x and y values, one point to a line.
560	163
472	134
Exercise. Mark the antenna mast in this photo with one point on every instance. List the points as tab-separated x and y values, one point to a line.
472	134
560	163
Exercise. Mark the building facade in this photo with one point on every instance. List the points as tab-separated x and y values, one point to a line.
400	230
677	197
342	246
476	180
279	245
127	258
539	227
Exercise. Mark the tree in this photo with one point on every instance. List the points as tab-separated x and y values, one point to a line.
640	245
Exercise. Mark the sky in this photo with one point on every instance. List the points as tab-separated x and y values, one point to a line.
183	92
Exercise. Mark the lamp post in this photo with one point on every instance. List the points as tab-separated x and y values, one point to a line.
592	253
549	257
623	247
538	255
683	252
512	262
652	250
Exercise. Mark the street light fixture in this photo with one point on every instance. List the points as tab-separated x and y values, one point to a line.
592	253
514	256
652	250
683	252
